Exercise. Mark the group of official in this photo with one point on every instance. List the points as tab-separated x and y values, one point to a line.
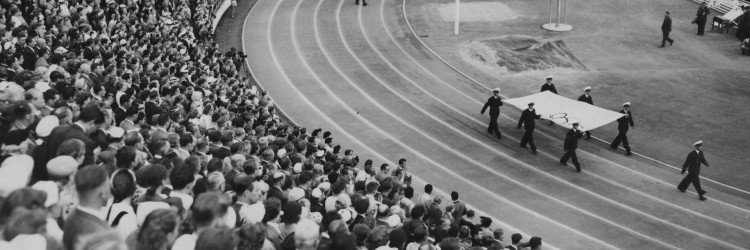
529	115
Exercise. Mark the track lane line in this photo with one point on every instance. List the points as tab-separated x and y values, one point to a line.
322	114
382	6
414	33
747	211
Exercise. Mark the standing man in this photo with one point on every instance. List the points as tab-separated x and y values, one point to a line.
494	104
623	124
701	18
527	120
364	3
666	28
570	145
693	167
548	85
586	97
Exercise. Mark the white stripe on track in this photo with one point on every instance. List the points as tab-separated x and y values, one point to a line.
414	33
546	154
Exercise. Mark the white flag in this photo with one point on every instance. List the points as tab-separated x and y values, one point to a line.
565	111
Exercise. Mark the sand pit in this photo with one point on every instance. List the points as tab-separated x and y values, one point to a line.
516	54
477	12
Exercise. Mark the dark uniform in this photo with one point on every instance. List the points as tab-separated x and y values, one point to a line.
623	125
693	167
494	104
527	120
549	86
587	99
364	3
701	18
666	28
570	145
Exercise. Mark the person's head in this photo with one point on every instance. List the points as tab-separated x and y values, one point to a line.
575	125
74	148
245	190
666	13
515	238
377	237
698	145
498	234
152	177
535	243
454	196
292	213
125	157
123	184
27	198
549	79
306	235
251	236
159	230
214	238
272	206
704	3
35	97
182	177
50	97
360	232
428	188
626	106
209	209
587	90
420	234
92	185
91	117
450	244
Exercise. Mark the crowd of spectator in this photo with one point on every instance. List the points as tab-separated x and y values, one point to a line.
124	127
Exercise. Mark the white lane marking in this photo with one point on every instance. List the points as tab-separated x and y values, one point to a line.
414	33
382	10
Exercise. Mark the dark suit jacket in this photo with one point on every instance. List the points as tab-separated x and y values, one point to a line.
221	152
278	194
494	105
693	162
702	14
152	109
666	26
119	114
61	133
584	98
550	87
624	123
80	224
527	119
571	139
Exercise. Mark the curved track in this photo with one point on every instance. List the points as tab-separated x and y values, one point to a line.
361	73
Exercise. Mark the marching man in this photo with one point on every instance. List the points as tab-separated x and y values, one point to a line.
623	124
693	167
494	104
570	145
527	120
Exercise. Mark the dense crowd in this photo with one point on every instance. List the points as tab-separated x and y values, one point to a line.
124	127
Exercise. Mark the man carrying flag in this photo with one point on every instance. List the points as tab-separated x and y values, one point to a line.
570	145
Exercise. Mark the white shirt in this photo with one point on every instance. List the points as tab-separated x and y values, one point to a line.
185	242
252	213
187	200
145	208
128	222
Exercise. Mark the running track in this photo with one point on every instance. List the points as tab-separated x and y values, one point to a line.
363	75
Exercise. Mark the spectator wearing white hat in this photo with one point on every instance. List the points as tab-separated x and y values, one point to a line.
54	211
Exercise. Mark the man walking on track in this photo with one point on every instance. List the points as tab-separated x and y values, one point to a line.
586	97
549	86
666	28
693	167
570	145
494	104
623	124
701	18
527	120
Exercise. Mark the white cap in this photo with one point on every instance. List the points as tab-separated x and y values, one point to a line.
49	187
46	124
587	88
548	77
393	220
346	215
496	90
281	153
324	186
116	132
297	168
626	104
296	194
698	143
62	166
15	173
42	86
317	193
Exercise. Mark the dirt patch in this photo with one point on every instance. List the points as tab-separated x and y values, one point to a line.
477	12
516	54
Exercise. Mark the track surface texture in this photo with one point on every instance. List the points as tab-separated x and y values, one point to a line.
363	74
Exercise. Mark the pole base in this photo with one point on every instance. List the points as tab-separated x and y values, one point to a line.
559	27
